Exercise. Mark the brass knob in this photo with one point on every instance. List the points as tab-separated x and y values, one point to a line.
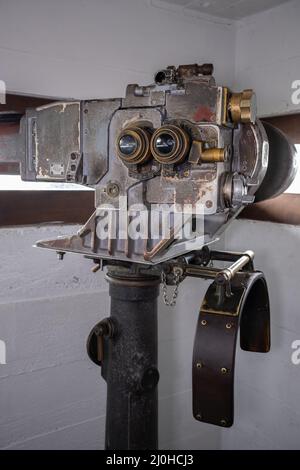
242	107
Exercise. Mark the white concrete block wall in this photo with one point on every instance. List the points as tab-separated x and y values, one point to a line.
268	58
267	385
52	396
92	48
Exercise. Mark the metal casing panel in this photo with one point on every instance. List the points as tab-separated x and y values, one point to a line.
56	141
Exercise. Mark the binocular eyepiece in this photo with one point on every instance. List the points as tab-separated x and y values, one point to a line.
168	145
133	145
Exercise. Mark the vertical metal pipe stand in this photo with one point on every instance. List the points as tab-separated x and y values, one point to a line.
129	363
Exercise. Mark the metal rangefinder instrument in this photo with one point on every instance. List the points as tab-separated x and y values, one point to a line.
172	164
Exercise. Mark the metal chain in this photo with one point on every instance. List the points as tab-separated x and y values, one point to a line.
170	302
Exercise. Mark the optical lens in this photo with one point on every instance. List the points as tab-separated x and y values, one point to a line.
128	144
165	144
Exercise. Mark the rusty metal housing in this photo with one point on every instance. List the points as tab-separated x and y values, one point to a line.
183	140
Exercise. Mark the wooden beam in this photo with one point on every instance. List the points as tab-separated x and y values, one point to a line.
37	207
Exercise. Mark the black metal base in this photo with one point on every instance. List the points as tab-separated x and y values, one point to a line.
125	344
129	363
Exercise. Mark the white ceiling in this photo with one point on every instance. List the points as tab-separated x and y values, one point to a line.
228	9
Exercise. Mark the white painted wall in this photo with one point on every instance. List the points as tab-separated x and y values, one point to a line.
267	385
52	396
267	389
268	57
92	48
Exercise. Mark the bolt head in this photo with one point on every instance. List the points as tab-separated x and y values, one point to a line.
113	190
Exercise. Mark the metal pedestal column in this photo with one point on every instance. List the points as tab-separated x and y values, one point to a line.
130	362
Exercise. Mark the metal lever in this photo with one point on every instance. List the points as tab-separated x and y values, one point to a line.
95	343
228	273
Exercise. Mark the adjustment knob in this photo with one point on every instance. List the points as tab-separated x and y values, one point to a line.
235	191
242	107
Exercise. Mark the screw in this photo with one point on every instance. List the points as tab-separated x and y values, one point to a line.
199	365
228	326
199	416
99	331
208	204
223	422
203	322
178	271
113	190
224	370
73	156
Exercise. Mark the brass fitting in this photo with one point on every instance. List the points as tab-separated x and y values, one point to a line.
213	155
200	154
242	107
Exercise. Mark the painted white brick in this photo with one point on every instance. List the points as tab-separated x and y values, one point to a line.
86	435
27	272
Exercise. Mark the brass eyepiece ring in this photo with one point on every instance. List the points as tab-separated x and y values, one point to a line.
133	145
170	144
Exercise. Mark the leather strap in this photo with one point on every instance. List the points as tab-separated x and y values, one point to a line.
215	343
